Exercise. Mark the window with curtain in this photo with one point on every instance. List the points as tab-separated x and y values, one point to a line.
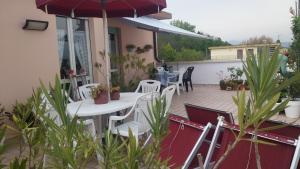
63	46
80	46
73	47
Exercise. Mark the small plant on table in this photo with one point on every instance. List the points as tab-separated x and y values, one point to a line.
100	94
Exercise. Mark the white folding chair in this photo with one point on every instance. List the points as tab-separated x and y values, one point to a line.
85	90
179	81
139	124
168	93
147	86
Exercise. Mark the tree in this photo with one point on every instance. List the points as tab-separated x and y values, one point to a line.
172	47
258	40
178	42
294	50
168	53
184	25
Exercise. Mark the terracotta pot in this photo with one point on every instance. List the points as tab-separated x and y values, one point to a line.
115	95
102	98
242	87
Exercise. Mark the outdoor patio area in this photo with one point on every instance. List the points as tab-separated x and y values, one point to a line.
210	96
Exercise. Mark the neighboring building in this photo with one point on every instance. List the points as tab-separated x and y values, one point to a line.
28	56
236	52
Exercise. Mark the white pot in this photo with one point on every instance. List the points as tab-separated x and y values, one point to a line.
293	109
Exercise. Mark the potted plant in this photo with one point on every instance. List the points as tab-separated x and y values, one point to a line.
130	47
222	84
100	94
293	109
115	93
223	80
235	77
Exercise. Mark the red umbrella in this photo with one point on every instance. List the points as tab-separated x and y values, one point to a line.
104	9
93	8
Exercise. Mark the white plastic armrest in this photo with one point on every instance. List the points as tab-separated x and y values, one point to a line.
169	77
138	88
112	119
116	118
88	122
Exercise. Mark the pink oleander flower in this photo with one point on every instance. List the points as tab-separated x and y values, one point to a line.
82	71
71	73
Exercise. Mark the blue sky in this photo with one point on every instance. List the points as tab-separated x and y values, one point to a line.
236	20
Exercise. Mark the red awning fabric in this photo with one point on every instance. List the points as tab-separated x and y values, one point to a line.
276	156
93	8
288	131
180	141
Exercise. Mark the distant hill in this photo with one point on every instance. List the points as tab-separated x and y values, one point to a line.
283	44
286	44
235	42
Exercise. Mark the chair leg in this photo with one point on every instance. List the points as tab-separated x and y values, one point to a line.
186	86
178	90
137	139
191	84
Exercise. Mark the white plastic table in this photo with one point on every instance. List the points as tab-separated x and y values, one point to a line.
88	109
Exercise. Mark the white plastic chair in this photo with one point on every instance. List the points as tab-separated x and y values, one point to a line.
168	93
89	125
160	69
179	81
148	86
139	125
85	90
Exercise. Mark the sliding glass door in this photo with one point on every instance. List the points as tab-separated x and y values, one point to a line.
73	48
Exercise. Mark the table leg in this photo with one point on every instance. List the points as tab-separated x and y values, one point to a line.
98	125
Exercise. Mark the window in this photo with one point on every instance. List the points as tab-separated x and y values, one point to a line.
240	54
73	47
113	34
250	52
271	50
259	50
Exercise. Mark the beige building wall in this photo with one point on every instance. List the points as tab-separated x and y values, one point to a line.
229	53
132	35
29	56
97	45
25	56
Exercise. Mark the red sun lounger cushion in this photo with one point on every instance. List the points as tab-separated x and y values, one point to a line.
277	156
179	142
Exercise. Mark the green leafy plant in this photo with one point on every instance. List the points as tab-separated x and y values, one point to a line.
295	46
96	91
32	134
261	105
126	153
151	71
115	89
235	73
4	116
2	146
132	66
18	164
69	145
130	47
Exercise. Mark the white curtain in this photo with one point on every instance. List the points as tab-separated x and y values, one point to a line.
81	49
61	44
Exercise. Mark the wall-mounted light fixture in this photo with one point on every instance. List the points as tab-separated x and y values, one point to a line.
35	25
